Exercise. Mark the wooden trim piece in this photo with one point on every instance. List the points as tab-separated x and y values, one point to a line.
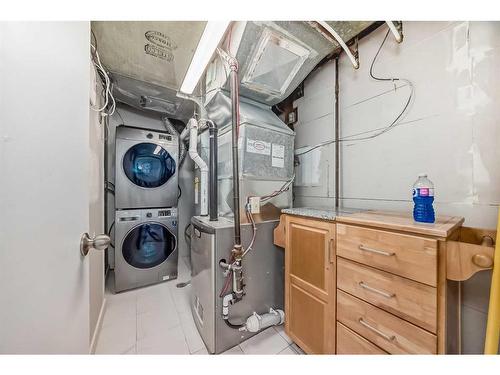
467	256
279	233
442	300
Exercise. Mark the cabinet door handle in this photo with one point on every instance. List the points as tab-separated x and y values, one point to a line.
377	291
377	331
376	251
331	255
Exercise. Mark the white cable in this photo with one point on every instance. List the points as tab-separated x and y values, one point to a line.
395	31
339	40
107	82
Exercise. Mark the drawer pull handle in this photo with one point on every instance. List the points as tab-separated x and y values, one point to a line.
376	251
377	331
378	291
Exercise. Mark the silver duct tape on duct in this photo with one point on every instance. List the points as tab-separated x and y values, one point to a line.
159	99
266	148
275	57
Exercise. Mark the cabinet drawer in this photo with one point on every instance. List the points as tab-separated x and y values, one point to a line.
385	330
349	342
405	255
405	298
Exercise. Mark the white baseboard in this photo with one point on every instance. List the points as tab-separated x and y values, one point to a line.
98	326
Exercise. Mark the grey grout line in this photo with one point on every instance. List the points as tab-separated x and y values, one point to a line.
170	292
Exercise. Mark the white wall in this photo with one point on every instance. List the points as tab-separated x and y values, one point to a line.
451	132
96	216
140	119
44	202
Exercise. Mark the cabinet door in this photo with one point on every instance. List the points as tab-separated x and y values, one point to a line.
310	284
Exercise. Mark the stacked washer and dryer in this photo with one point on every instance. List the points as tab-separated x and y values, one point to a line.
146	197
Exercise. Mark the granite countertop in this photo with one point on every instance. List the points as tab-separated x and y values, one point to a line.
320	213
402	221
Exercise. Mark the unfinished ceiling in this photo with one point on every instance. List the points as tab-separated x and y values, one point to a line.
151	58
276	56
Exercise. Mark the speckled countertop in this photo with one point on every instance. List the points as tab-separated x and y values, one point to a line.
319	213
401	221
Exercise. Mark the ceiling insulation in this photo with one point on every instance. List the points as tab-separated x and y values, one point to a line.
151	58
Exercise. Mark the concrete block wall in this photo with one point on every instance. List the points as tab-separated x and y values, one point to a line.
451	131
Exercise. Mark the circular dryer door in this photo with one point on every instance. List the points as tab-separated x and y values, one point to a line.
148	245
148	165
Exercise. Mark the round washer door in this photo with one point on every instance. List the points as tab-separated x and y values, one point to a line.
148	165
148	245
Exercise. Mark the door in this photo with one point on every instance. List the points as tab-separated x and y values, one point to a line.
44	186
310	284
96	217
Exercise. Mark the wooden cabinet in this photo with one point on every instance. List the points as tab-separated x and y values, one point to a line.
402	254
405	298
349	342
394	335
310	284
368	283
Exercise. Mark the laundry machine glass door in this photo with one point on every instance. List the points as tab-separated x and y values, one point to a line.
148	165
148	245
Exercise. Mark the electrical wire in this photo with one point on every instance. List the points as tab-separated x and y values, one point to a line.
355	137
109	233
265	198
281	190
108	87
121	118
227	282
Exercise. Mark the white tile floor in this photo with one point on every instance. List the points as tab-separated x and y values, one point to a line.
157	320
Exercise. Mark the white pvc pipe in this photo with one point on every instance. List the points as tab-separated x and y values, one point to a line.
192	125
395	31
339	40
256	322
185	133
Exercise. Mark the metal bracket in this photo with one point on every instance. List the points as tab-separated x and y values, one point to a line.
353	57
396	29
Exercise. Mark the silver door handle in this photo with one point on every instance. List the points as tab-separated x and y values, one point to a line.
99	242
377	331
375	290
376	251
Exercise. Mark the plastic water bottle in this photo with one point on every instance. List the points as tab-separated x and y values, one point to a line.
423	197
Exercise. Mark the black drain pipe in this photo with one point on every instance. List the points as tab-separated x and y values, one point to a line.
235	116
212	174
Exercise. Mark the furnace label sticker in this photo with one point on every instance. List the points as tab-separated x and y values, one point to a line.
278	156
258	147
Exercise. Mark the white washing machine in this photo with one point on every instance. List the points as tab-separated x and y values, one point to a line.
145	247
146	168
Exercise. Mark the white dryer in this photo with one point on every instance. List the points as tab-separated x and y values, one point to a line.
146	168
145	247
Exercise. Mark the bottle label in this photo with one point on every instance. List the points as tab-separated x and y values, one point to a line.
423	192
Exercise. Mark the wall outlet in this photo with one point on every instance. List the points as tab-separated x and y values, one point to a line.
255	205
